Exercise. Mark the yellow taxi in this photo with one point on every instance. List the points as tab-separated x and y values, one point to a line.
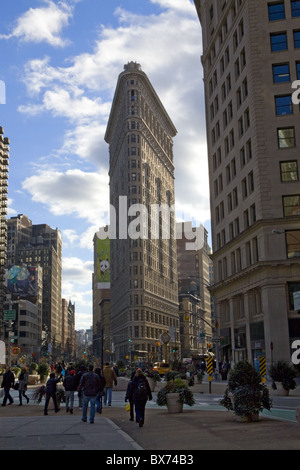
161	367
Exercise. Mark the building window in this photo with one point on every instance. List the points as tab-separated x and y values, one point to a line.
283	105
278	42
289	171
286	137
276	11
293	287
298	70
291	205
295	8
292	238
297	39
281	73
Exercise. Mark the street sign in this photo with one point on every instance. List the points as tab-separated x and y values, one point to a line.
262	368
209	365
9	315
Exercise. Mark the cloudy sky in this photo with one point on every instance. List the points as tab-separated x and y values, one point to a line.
60	62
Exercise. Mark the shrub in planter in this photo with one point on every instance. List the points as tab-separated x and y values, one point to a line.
171	375
33	368
153	375
175	386
245	394
43	370
284	373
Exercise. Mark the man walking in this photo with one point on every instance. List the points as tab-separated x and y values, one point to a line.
7	383
111	378
70	385
90	385
51	389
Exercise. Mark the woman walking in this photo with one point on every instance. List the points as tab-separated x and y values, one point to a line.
23	382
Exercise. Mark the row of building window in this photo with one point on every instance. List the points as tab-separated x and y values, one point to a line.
281	72
279	41
251	255
277	10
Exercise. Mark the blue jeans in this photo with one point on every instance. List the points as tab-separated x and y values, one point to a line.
7	396
108	395
86	400
69	399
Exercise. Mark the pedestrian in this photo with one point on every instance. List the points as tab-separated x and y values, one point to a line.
70	385
51	388
101	391
111	379
129	396
23	382
90	384
8	382
78	376
141	393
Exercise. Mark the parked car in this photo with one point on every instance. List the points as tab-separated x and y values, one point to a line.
161	367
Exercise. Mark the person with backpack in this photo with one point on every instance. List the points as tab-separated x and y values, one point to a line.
129	395
141	393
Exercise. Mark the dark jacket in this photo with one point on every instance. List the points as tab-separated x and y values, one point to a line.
51	385
70	383
129	391
136	381
90	384
8	379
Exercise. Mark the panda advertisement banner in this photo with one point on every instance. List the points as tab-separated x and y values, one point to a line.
103	263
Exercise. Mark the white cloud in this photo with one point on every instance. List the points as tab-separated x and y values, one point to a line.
43	24
74	192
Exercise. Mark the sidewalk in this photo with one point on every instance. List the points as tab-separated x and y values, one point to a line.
25	427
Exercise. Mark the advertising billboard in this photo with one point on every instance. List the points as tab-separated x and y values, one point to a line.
22	280
103	263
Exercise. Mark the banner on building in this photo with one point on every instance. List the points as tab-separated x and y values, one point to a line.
22	280
103	263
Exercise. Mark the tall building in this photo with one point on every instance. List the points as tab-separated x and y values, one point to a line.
144	293
102	341
250	61
4	162
40	245
68	329
197	325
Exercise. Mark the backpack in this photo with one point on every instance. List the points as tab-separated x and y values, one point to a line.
142	390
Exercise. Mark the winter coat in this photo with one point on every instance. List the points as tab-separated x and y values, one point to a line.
90	384
51	386
70	383
136	381
8	379
110	376
129	391
23	381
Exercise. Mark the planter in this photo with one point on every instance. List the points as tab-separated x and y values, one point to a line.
33	379
173	403
248	419
280	391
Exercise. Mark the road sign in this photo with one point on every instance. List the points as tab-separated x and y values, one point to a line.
209	365
262	367
9	315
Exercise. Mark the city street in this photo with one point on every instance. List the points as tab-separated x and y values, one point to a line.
205	426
